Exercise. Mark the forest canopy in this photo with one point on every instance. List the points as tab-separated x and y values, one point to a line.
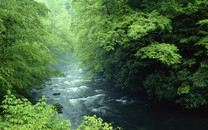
25	59
158	47
30	41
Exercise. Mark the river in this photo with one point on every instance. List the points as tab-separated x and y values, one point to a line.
79	96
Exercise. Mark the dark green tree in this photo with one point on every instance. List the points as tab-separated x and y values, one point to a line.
157	46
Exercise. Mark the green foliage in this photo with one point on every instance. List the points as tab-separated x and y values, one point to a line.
192	100
25	46
165	53
94	123
59	39
104	26
158	46
24	57
160	86
184	88
21	114
204	40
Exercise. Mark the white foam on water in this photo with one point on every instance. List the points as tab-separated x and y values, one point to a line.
83	87
56	85
93	100
80	70
86	80
75	81
122	101
74	101
98	90
125	100
58	89
99	110
66	82
68	76
87	101
95	96
72	89
103	110
77	89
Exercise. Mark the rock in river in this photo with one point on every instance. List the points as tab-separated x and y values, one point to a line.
56	94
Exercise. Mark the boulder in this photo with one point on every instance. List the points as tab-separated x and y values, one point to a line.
56	94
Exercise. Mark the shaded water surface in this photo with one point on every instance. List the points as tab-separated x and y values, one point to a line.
80	97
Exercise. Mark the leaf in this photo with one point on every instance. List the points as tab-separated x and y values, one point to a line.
165	53
184	88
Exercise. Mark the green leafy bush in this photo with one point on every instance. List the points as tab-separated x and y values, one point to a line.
21	114
94	123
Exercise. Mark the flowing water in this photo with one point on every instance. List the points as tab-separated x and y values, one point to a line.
80	97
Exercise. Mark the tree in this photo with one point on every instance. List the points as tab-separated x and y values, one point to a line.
157	46
58	22
25	60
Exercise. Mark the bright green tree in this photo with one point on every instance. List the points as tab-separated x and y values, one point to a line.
58	22
25	60
158	47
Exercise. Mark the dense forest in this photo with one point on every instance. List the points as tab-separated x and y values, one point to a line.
32	37
155	47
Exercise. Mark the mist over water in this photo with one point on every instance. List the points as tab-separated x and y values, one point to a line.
79	97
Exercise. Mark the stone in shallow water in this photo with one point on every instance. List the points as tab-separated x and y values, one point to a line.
56	94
